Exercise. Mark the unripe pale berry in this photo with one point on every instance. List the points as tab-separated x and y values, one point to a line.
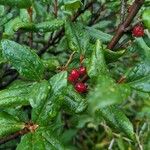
138	31
81	87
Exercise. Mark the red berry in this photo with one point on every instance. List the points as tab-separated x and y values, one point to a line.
74	74
81	87
71	79
138	31
82	71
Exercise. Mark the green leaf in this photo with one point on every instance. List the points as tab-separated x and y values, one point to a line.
97	34
96	64
145	18
23	59
138	76
42	139
77	37
23	93
116	118
47	26
4	19
142	69
51	64
142	84
106	92
112	56
1	57
9	124
74	102
9	26
16	3
15	96
49	108
58	82
39	93
72	5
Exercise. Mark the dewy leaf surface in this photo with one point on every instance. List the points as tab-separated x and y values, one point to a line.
9	124
25	60
139	76
49	108
73	101
107	92
116	118
77	37
16	96
96	64
46	26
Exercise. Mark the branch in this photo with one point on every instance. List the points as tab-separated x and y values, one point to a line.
29	127
60	33
56	8
121	29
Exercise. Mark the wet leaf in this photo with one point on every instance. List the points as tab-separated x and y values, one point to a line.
25	60
9	124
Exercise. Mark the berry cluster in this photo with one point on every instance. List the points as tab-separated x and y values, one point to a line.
138	31
74	78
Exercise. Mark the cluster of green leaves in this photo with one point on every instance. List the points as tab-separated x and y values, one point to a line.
42	95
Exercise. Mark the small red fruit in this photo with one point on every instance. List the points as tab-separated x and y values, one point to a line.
75	74
82	71
81	87
71	79
138	31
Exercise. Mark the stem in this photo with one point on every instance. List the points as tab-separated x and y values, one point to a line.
69	60
111	144
30	11
121	29
29	127
56	8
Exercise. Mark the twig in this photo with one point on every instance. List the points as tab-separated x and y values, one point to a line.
121	29
60	33
138	141
30	11
111	144
69	60
56	8
29	127
121	80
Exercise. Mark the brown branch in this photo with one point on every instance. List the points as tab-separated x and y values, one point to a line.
30	12
60	33
121	29
29	127
56	8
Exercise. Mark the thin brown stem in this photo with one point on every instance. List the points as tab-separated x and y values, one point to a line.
29	127
56	8
69	60
121	29
30	12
